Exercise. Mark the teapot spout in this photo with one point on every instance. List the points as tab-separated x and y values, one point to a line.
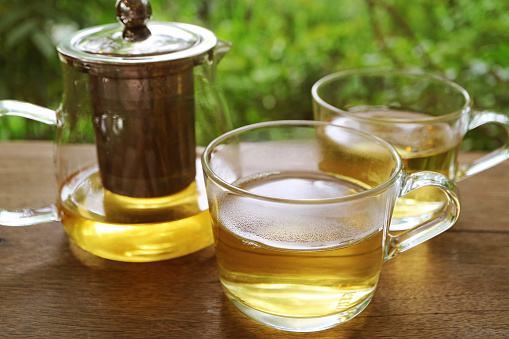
221	49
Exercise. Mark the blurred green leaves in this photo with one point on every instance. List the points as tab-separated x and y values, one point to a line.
280	48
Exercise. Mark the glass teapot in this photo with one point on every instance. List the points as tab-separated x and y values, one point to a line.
127	149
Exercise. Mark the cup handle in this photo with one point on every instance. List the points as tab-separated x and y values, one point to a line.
493	158
28	216
423	232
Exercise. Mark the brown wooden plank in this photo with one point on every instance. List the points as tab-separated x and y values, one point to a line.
455	284
485	199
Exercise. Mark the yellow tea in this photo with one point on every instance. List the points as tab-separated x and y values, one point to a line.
285	265
133	229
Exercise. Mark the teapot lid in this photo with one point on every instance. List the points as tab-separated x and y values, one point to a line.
136	40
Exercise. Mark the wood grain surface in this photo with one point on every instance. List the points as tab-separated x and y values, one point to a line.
454	286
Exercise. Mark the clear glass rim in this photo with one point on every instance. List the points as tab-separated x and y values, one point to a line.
382	72
307	123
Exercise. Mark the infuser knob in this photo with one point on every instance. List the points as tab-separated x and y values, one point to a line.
134	15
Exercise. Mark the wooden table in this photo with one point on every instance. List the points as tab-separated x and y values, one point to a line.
454	286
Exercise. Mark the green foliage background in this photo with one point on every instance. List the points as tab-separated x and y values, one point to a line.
280	48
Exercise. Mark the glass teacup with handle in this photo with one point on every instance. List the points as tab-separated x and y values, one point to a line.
301	213
424	117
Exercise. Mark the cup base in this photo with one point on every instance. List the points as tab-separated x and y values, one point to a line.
300	324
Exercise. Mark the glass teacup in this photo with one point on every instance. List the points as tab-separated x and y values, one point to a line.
301	213
424	117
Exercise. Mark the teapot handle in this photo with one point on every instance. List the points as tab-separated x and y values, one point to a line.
29	111
28	216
